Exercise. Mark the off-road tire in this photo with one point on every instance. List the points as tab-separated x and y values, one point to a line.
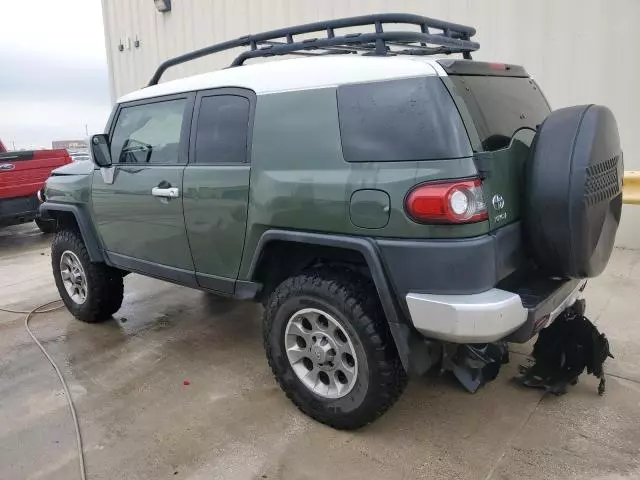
105	288
352	300
46	226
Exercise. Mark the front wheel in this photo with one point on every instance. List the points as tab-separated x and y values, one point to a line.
92	292
330	348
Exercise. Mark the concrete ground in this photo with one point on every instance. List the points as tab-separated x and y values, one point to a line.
139	420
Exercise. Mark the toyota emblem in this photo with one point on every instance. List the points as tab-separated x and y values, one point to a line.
498	201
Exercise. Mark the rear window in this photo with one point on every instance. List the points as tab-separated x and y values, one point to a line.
17	155
499	106
400	120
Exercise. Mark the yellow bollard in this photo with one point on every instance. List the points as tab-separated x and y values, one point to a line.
631	187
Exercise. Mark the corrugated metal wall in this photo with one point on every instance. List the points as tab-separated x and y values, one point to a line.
580	51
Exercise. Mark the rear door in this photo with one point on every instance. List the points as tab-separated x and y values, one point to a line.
138	206
504	107
216	184
22	173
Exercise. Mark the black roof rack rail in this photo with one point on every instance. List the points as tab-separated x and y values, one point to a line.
450	38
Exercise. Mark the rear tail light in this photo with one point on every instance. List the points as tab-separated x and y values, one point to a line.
450	202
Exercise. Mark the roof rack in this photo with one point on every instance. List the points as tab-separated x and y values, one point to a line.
450	38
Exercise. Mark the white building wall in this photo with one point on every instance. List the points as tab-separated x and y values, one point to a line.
580	51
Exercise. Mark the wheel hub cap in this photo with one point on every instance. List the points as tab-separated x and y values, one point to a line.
321	353
324	351
73	277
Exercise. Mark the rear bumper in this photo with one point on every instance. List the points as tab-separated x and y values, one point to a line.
453	266
474	290
18	210
491	315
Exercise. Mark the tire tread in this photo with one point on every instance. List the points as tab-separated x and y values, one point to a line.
105	285
355	296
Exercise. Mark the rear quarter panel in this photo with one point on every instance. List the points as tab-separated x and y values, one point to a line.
300	180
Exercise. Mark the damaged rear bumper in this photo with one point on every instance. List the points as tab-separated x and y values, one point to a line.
492	315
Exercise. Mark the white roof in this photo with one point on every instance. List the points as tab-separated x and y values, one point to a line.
298	74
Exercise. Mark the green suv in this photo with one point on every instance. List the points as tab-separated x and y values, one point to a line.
387	202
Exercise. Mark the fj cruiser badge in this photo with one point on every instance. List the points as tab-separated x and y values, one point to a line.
498	204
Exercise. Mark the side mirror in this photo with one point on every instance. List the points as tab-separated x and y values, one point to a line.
100	150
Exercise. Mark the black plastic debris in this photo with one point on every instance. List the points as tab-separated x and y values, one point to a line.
564	350
475	364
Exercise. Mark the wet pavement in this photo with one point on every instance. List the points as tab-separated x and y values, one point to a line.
140	421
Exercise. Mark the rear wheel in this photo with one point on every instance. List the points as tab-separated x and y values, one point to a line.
330	349
91	291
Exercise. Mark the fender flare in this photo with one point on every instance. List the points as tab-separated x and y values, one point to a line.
399	326
80	213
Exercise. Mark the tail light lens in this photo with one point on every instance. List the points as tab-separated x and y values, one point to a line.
450	202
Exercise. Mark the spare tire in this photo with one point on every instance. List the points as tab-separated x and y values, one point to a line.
573	188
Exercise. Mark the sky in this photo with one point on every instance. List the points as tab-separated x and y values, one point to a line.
53	71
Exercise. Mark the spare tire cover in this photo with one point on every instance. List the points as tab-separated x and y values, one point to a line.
573	188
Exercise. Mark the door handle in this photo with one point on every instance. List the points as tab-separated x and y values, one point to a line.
171	192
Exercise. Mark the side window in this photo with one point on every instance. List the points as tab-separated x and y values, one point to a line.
148	133
222	130
400	120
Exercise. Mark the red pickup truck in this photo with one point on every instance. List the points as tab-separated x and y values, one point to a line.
22	175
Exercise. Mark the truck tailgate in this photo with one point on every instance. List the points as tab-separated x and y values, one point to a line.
23	173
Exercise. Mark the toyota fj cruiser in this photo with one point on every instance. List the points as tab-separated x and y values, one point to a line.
386	201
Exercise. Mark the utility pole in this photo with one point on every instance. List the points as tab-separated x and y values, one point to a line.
13	142
86	130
